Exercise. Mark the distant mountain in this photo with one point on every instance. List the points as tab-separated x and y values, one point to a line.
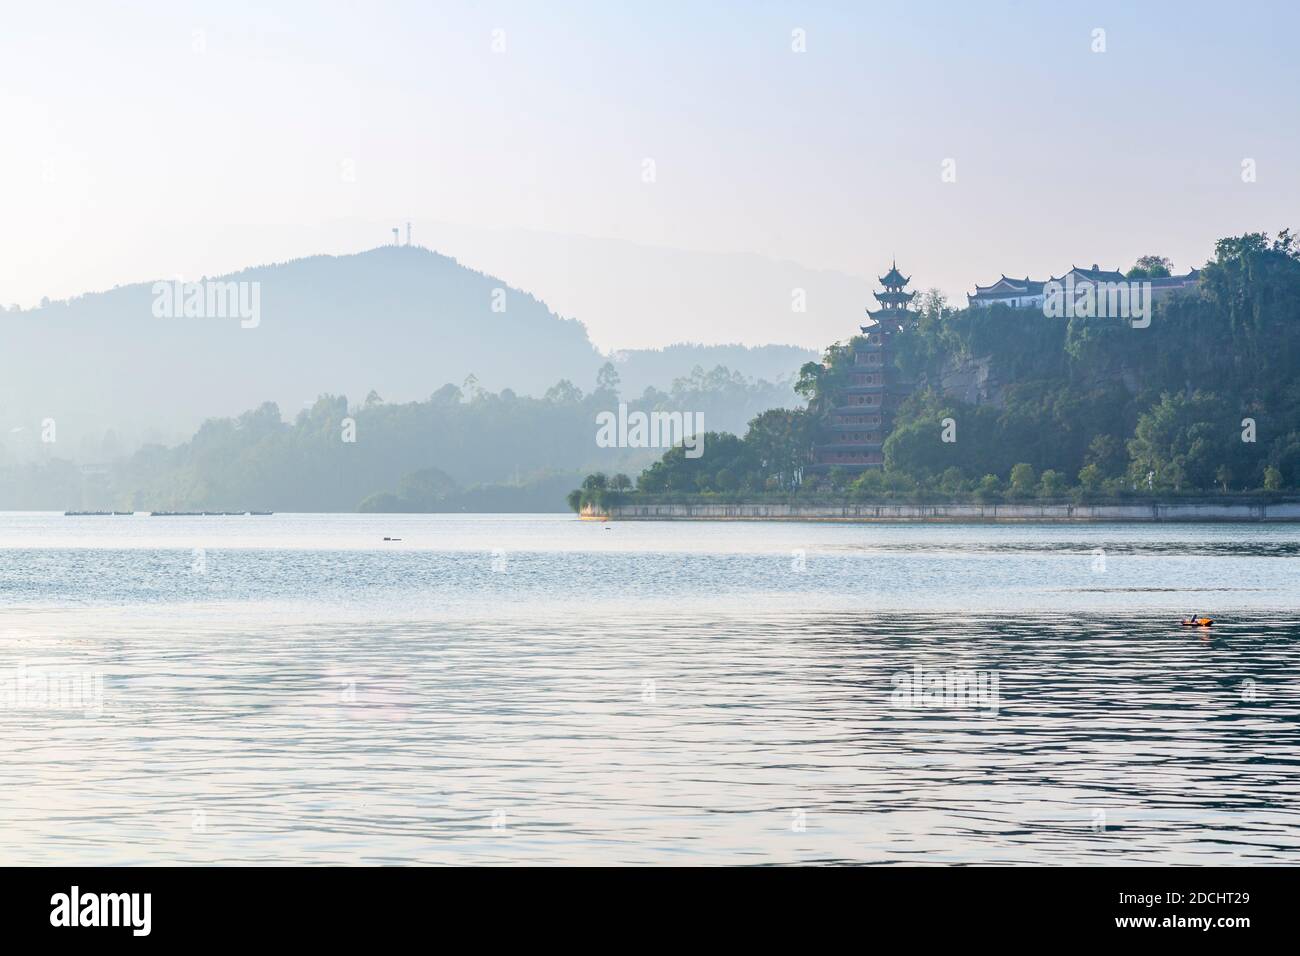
401	320
639	368
638	295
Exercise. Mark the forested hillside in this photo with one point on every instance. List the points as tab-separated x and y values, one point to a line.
1204	399
463	449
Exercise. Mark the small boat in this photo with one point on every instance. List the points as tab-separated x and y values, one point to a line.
1198	622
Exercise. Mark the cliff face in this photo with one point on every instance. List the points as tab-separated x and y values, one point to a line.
977	380
969	379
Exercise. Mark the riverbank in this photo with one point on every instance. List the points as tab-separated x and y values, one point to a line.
956	513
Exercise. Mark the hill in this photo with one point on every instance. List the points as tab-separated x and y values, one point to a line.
114	370
1203	398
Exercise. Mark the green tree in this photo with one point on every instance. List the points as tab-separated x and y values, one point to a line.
1183	441
1023	479
422	490
989	488
869	484
1151	267
780	443
1052	484
1109	455
1090	478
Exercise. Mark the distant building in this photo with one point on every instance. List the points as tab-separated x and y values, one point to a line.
1028	293
862	412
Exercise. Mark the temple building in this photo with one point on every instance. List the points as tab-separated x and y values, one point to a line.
861	412
1029	293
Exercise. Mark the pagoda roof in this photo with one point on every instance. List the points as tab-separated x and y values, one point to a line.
892	315
894	296
893	278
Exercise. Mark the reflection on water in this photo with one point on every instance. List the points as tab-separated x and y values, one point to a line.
341	705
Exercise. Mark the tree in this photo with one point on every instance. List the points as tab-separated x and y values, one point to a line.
563	392
447	395
607	379
1107	453
1052	484
1184	440
1223	475
810	374
780	443
1022	478
1090	478
990	488
575	500
1272	479
620	482
1151	267
423	489
869	484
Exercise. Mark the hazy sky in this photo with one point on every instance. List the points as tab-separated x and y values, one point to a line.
155	139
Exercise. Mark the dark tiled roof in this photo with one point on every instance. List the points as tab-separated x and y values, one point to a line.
1025	286
1096	275
1175	281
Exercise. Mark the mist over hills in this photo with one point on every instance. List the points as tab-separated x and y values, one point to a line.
399	320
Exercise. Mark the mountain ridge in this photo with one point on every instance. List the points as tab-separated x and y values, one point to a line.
402	320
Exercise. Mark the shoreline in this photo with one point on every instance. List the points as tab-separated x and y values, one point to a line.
1155	512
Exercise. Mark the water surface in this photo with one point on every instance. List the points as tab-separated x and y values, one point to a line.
295	689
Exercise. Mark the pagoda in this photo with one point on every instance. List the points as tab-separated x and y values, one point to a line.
861	413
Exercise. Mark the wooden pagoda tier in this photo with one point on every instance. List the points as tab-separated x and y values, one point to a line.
859	416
